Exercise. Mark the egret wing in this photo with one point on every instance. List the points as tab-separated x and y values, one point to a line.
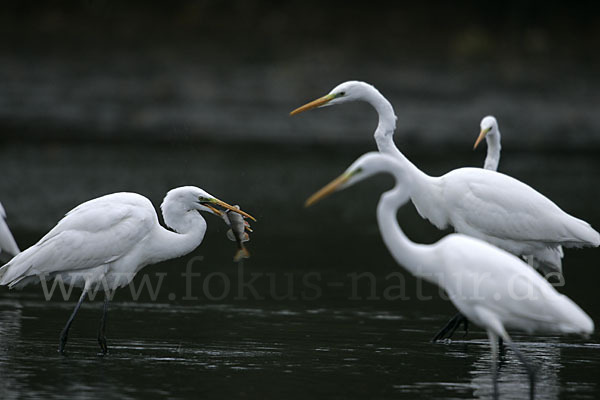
503	283
500	206
95	233
7	241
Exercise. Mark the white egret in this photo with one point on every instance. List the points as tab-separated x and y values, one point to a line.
485	204
7	241
552	263
477	202
491	133
107	240
491	287
553	255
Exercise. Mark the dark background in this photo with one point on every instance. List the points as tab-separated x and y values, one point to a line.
231	70
104	96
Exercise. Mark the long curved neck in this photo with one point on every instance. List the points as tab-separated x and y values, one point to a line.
188	227
384	134
414	257
493	151
426	191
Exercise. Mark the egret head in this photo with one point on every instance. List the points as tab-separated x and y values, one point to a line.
190	198
365	166
344	92
488	126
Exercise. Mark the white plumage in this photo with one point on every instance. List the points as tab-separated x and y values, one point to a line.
507	213
549	259
491	287
491	132
484	204
95	240
7	241
104	242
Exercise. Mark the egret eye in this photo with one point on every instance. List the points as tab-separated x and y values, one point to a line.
341	94
357	171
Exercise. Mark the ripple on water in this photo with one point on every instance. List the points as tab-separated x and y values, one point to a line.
296	347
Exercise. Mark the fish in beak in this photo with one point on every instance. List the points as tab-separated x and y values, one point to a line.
238	233
212	204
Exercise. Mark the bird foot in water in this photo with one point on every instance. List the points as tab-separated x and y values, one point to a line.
448	330
103	346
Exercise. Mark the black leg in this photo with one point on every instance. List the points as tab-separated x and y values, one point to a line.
450	326
65	332
501	349
102	329
448	330
530	368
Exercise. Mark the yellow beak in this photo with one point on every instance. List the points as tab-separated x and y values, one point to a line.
228	207
314	104
482	135
327	189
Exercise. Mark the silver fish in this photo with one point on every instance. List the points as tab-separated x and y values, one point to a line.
238	233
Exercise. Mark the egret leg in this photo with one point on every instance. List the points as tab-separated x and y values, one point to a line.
528	366
494	347
65	332
102	329
451	326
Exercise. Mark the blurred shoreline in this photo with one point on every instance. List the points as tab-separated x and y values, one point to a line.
231	72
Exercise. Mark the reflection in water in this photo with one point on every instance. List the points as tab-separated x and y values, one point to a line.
331	347
28	361
513	382
10	334
294	351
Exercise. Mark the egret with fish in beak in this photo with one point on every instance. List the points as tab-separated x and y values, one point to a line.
105	242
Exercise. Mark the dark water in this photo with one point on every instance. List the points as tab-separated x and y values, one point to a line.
320	310
307	326
270	351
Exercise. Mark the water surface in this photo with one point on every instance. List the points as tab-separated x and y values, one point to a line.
307	328
217	351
